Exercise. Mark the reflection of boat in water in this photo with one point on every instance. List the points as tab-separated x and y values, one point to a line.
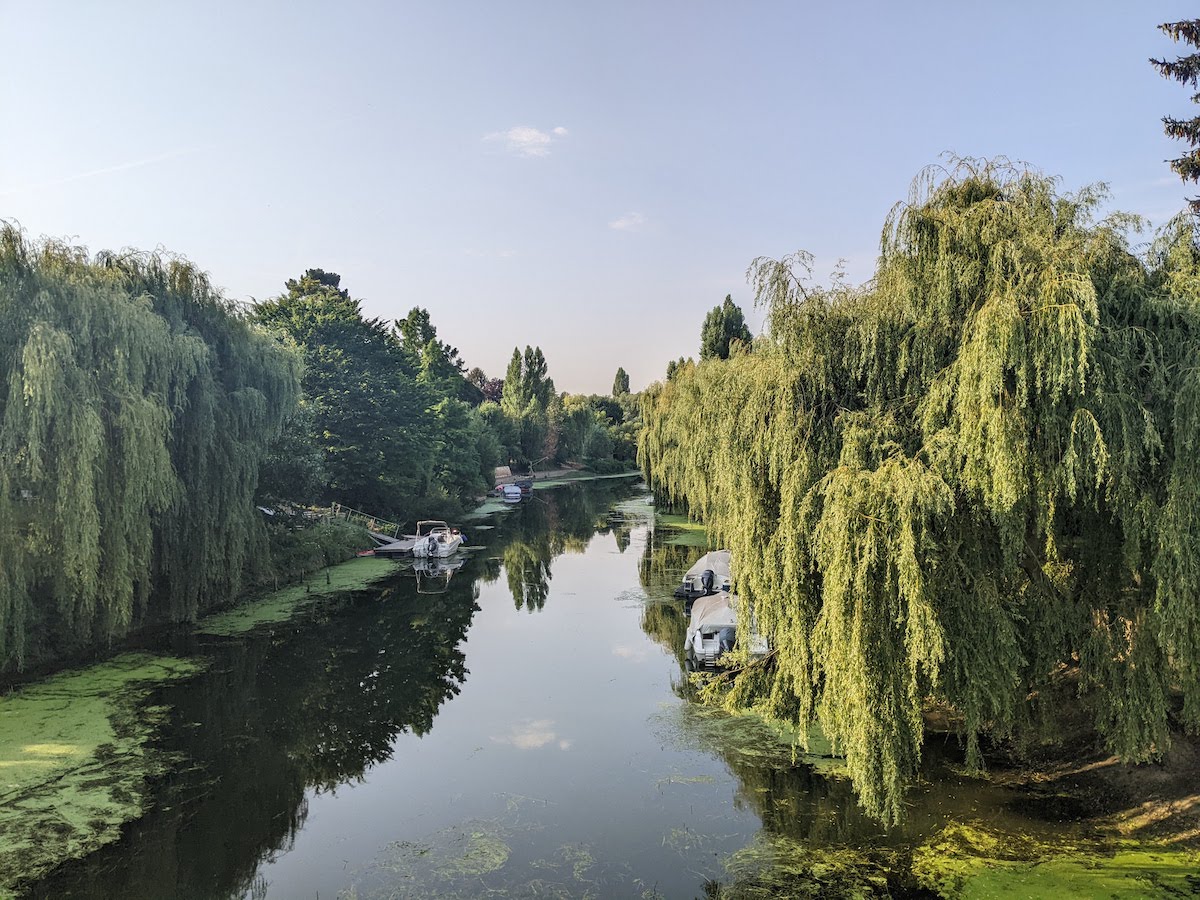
712	630
710	573
435	538
434	573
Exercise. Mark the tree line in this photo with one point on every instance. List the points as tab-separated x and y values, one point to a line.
147	422
971	482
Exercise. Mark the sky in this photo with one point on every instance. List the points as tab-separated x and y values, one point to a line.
590	178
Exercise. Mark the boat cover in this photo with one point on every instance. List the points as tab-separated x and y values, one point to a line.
717	560
712	613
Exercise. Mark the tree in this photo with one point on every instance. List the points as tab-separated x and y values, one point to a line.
972	481
723	325
436	362
526	384
620	383
136	404
371	412
674	365
1185	70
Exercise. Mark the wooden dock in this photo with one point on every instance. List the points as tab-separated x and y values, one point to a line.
400	547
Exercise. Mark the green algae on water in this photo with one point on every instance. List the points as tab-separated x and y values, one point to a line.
75	760
777	866
975	863
282	605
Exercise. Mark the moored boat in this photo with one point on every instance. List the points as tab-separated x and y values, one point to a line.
435	538
712	630
711	573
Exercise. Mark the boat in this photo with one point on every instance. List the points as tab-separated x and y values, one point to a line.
435	538
712	630
510	492
711	573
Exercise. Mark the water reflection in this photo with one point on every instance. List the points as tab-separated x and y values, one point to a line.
568	766
309	706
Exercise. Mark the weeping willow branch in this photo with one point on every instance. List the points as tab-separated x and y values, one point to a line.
135	406
1038	503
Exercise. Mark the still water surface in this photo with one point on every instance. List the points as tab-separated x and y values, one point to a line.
521	730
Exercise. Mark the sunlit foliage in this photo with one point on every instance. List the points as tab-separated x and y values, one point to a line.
135	406
970	480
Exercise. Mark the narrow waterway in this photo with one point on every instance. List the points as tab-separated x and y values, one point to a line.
518	727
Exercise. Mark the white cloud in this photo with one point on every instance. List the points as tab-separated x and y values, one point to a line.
524	140
625	651
628	222
532	735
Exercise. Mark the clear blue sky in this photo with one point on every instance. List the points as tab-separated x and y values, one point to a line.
588	177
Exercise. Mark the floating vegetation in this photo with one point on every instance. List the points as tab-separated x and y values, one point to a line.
75	760
775	866
283	604
971	861
744	737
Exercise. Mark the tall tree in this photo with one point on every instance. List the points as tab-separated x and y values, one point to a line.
723	325
972	481
437	363
371	413
1185	70
620	383
136	404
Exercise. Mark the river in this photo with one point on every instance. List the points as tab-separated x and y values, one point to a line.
519	728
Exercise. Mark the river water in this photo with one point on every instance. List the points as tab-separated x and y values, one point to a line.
518	729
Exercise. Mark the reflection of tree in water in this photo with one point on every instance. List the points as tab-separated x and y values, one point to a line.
662	565
666	624
308	706
547	525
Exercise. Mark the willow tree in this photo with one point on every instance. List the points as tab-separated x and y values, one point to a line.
135	404
974	481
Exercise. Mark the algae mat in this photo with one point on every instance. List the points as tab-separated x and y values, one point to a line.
283	604
973	862
75	760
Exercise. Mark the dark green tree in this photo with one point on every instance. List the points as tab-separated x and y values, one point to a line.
437	363
620	383
371	412
1185	70
723	325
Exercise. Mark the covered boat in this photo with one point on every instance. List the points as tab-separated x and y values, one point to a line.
435	538
711	573
712	630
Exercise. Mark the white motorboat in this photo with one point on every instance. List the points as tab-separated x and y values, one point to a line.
711	573
435	538
712	629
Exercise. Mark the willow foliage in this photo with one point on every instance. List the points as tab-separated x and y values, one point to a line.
974	480
135	406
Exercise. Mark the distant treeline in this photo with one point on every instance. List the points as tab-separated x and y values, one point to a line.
973	482
145	419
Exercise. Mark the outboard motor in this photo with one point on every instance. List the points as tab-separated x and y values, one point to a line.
431	544
707	577
726	638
